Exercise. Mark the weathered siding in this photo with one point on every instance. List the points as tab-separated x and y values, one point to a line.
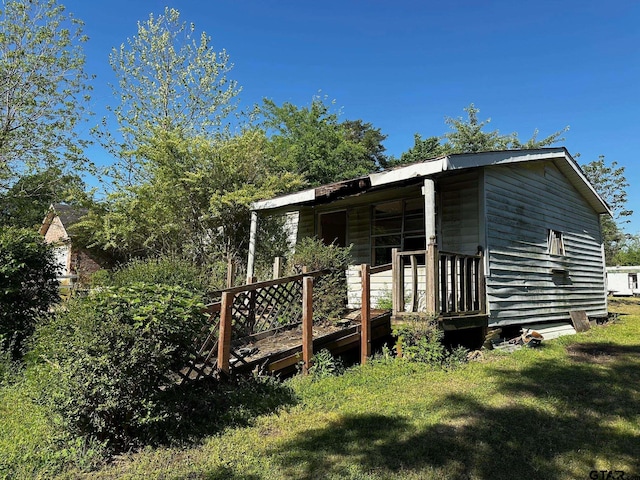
306	223
459	213
524	282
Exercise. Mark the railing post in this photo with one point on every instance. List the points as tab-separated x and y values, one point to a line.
444	283
307	323
278	263
397	282
454	283
365	314
414	283
224	342
432	277
482	287
231	272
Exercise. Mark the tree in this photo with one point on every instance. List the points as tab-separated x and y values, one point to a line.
422	149
43	89
195	201
26	203
370	138
169	80
610	182
468	136
312	142
629	253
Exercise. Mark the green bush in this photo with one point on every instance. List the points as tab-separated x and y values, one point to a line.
165	270
420	340
109	359
324	364
329	291
28	285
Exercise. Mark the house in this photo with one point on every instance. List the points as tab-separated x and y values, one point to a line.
623	281
76	264
495	238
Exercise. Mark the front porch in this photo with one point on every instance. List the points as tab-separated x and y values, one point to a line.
448	286
271	326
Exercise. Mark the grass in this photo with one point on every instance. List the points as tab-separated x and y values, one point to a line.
556	412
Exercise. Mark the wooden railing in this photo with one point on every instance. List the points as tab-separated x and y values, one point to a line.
254	310
452	285
461	289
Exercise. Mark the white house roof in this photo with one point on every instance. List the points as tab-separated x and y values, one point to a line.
560	156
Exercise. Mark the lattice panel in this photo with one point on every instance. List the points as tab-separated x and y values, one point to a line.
267	308
204	361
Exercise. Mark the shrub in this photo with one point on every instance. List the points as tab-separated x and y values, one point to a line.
109	359
385	300
28	285
420	340
324	364
10	368
329	291
165	270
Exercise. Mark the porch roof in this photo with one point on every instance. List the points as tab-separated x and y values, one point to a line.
440	166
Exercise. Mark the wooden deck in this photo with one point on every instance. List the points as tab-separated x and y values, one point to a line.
281	352
270	325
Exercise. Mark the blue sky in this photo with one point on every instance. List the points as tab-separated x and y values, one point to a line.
405	65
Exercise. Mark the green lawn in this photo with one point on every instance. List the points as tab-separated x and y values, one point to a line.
560	411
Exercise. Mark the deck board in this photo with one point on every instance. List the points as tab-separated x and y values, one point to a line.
285	359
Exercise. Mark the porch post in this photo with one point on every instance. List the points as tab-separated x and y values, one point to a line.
429	192
431	260
253	233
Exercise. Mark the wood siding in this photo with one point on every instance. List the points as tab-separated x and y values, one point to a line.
525	283
459	213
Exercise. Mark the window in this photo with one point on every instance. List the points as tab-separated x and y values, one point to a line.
333	228
555	243
397	224
633	281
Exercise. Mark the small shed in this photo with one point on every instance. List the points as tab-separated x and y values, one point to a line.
76	264
493	238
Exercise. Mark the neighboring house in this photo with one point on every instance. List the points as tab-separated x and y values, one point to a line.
623	281
512	236
76	264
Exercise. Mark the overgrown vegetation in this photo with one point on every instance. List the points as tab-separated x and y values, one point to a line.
324	364
165	270
420	340
329	291
28	285
561	411
106	362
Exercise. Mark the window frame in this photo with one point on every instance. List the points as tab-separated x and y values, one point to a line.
555	243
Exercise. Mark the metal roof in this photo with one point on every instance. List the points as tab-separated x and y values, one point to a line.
441	166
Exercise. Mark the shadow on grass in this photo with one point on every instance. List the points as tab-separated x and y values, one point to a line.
553	419
203	408
221	473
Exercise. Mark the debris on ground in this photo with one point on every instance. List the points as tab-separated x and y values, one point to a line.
475	356
527	338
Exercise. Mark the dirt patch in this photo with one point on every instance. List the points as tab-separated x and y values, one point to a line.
596	352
